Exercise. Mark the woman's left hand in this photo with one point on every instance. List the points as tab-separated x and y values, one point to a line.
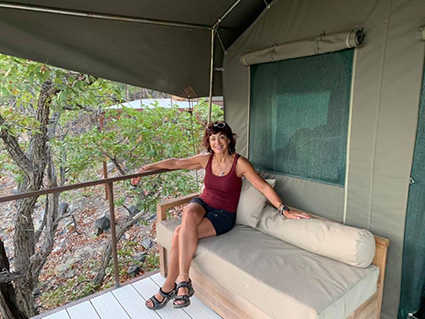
292	214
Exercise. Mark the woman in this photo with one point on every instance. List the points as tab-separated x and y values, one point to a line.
213	212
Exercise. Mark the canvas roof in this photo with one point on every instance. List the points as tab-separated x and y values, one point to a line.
117	45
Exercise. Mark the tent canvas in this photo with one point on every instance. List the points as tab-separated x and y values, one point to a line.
385	90
161	45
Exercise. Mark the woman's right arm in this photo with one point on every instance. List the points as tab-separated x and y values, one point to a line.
194	162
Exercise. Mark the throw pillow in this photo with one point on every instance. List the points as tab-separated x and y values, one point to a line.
251	204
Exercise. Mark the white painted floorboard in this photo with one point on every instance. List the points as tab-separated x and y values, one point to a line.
133	303
59	315
196	309
83	310
108	307
147	288
128	302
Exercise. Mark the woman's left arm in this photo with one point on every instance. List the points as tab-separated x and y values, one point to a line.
245	168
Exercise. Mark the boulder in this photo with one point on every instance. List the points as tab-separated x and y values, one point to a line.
147	243
102	224
141	257
133	270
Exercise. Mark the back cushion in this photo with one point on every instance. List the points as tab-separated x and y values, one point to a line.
251	204
350	245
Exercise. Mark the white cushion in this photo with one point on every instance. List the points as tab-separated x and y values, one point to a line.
267	272
251	204
350	245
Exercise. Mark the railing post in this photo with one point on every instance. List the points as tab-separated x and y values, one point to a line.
105	176
110	190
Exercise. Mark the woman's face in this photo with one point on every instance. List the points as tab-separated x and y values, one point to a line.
219	143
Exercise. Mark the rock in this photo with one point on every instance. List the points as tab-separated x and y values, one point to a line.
57	248
63	207
84	253
133	271
69	273
111	166
133	210
147	243
36	293
102	224
61	233
66	269
141	257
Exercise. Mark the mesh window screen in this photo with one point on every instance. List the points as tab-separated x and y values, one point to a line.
299	116
413	275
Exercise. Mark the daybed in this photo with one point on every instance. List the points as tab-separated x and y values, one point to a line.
258	270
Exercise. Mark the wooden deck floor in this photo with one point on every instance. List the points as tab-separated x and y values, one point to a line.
128	302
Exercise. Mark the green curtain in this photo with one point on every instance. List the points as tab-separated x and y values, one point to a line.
413	271
299	112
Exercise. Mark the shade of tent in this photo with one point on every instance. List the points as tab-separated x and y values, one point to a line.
384	96
161	45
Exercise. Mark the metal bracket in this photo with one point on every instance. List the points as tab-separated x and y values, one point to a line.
318	39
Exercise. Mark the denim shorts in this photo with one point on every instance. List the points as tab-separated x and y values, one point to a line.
222	220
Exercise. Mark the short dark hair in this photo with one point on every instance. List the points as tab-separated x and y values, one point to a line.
219	127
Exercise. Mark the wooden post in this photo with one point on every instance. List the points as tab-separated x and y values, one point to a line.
162	251
105	167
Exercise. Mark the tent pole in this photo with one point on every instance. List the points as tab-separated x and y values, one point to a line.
228	11
211	74
213	31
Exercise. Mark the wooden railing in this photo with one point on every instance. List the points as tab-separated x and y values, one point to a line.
110	196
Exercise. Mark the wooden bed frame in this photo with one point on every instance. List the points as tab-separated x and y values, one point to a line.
230	305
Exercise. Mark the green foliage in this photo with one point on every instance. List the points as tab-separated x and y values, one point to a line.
23	80
137	137
129	137
73	289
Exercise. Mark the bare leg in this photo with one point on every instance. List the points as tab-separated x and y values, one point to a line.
173	268
194	227
204	230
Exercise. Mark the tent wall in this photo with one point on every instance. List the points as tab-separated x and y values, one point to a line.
387	74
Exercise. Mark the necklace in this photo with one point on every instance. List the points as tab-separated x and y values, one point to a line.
222	170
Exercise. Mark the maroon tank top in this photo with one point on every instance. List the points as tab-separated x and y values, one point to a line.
222	192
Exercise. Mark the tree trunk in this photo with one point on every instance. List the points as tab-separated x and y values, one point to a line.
24	237
24	247
8	306
108	249
28	260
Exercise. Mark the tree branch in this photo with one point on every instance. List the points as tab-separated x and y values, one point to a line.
114	160
43	222
39	140
14	149
6	277
81	107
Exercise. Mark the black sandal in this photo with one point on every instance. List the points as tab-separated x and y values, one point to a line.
184	298
166	297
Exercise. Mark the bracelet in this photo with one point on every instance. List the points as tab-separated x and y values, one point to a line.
283	207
